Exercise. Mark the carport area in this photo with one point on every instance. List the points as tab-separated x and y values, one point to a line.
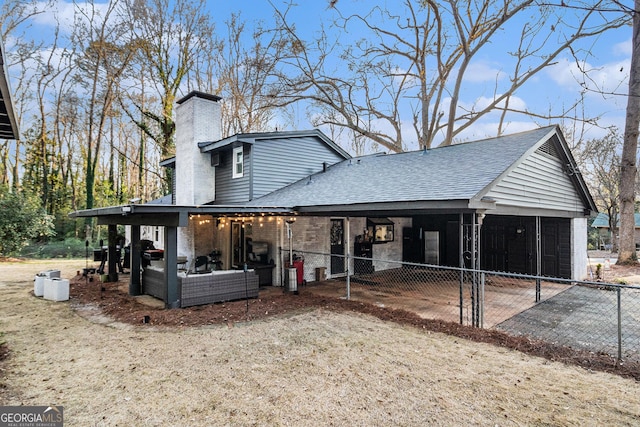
438	294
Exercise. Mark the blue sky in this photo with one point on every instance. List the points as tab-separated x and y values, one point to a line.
552	88
558	85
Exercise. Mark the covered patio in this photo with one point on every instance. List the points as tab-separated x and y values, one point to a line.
164	280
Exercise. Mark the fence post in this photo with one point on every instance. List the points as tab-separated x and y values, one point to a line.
481	305
347	241
619	325
348	282
461	296
473	297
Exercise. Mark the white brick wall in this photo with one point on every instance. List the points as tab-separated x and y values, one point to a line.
197	120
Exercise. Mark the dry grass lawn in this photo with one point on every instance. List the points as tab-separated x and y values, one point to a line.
314	367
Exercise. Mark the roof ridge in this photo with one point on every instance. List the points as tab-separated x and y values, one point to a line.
509	135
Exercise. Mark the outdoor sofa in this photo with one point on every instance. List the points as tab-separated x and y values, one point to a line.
203	288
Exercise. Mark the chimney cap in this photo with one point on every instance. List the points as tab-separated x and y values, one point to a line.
198	94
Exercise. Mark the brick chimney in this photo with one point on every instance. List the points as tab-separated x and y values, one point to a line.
197	120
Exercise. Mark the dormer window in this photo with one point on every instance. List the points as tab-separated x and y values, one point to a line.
238	162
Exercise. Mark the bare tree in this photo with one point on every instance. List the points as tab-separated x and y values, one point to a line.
628	168
168	37
41	165
424	52
599	161
102	63
13	14
244	75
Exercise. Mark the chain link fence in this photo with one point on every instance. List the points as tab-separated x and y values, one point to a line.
603	318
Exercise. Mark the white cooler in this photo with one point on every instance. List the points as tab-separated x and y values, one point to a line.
56	289
38	284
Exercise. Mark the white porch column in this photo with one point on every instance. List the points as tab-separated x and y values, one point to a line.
579	267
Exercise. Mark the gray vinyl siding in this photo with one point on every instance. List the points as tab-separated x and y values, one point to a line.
270	165
280	162
538	182
229	189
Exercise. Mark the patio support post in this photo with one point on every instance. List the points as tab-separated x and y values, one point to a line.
478	218
474	284
112	259
474	281
171	266
538	257
134	262
478	248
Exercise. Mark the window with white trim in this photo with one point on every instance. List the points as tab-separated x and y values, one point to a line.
238	163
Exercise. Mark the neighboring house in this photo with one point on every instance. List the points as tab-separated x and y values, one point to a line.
605	234
154	234
513	203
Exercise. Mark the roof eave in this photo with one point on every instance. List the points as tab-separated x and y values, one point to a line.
9	121
387	208
170	215
577	179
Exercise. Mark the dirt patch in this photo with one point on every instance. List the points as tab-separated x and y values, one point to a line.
112	300
287	360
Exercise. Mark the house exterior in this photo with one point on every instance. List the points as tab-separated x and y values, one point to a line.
515	188
514	203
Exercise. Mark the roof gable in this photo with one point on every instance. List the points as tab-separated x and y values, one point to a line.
540	180
265	137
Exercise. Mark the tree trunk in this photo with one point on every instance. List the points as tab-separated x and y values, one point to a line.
628	169
15	178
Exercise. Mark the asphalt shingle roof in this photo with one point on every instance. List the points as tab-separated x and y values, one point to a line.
456	172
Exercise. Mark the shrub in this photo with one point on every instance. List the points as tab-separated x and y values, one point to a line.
22	220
